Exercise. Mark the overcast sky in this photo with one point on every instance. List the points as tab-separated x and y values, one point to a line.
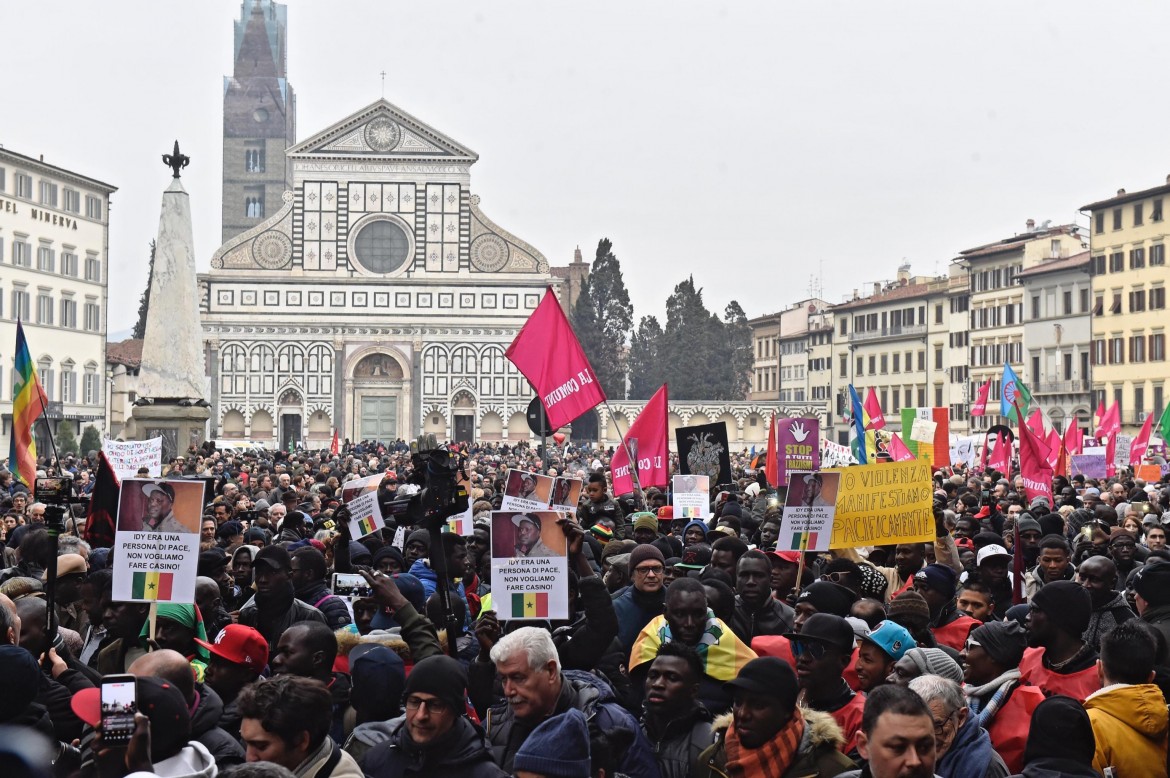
753	145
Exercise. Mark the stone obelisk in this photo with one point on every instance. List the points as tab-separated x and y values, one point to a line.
171	393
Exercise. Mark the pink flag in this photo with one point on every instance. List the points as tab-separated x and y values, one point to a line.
898	450
979	408
772	463
1074	438
1100	411
1001	457
1034	467
549	355
873	408
1055	447
1110	454
1036	424
1137	449
1110	422
647	441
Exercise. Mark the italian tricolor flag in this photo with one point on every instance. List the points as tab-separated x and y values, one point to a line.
530	606
153	586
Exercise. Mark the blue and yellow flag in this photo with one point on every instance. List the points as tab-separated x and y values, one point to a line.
862	440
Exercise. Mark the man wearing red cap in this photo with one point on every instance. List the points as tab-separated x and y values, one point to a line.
238	656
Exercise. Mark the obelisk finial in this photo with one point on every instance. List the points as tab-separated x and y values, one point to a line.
176	161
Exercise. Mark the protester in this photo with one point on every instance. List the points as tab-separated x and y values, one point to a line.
924	661
1057	659
677	725
237	658
879	650
274	607
897	737
1098	575
645	598
962	747
756	611
949	626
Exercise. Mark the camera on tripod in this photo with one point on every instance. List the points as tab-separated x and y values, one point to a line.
440	496
53	491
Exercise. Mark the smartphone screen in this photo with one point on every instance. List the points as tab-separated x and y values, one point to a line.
119	704
350	585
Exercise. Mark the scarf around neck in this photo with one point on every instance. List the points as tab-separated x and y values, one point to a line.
771	759
997	690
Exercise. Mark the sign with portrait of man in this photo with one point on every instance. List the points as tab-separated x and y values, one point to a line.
156	543
530	565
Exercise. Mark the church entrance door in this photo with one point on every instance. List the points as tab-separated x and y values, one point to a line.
464	429
379	419
290	430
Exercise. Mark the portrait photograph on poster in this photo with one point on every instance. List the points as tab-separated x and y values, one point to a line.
530	565
531	534
156	542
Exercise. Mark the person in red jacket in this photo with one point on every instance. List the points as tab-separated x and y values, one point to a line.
823	648
1057	660
997	699
950	626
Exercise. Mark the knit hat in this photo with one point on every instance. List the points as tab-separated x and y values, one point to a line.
1152	582
1028	524
602	532
358	551
873	583
910	610
19	680
937	578
935	661
645	552
701	525
261	505
1003	641
766	675
377	678
421	535
442	676
392	553
412	589
558	748
644	520
828	597
1060	728
1066	604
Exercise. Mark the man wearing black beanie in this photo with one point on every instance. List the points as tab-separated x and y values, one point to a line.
1151	587
434	737
1060	741
1058	660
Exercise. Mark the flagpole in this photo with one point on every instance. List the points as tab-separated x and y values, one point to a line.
626	446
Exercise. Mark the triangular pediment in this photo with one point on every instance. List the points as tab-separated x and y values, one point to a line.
383	131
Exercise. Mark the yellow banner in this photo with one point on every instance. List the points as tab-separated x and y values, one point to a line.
879	505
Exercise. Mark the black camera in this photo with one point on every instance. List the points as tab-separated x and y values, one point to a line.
53	491
436	470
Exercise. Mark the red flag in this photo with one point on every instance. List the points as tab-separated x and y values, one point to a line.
1137	449
648	441
1018	568
980	406
1034	467
772	457
1055	447
1110	422
1074	438
1100	411
549	355
1001	458
1110	453
873	408
334	447
898	450
1036	424
103	505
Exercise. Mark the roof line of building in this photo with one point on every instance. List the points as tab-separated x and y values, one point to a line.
60	171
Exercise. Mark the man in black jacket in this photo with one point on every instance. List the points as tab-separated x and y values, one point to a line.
756	611
677	725
274	608
308	580
433	737
308	649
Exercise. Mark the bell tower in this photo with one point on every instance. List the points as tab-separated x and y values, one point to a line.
259	119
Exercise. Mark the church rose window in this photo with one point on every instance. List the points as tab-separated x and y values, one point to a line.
382	246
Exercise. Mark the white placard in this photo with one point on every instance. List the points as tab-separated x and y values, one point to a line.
691	496
922	431
1122	450
361	498
807	523
126	456
156	542
530	566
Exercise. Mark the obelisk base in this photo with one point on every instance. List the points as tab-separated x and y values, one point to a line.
180	427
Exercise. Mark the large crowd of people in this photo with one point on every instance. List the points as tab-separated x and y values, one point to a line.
1027	639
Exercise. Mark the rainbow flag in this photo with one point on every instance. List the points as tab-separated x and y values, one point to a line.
530	605
153	586
367	525
27	407
802	541
722	653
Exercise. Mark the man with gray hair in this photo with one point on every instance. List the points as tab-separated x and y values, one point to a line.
535	688
963	748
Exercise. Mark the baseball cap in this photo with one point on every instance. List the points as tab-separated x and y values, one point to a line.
239	645
274	556
666	513
158	486
791	557
766	675
695	557
892	638
988	552
519	518
720	532
826	628
159	700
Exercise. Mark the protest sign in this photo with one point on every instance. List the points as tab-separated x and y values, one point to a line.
702	450
884	504
462	523
399	541
526	491
530	566
1151	474
1122	450
1088	465
807	522
937	449
798	446
126	457
566	494
361	498
691	497
963	451
156	541
835	454
922	430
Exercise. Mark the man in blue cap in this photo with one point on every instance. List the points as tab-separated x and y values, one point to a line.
880	650
937	585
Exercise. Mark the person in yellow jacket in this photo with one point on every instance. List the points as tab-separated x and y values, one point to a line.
1129	716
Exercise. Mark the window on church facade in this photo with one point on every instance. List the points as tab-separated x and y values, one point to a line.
382	246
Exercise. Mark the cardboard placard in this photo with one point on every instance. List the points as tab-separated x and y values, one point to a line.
809	506
1151	474
884	504
922	430
530	566
156	542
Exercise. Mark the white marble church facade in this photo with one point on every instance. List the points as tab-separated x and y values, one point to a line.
379	300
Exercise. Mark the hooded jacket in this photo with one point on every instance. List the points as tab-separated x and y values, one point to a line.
817	756
331	606
296	611
205	720
971	754
635	609
589	694
462	753
1130	725
1050	767
1158	617
192	761
775	618
682	740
